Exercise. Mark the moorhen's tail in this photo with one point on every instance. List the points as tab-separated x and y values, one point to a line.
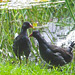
71	46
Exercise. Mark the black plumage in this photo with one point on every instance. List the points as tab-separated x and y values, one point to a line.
53	54
22	43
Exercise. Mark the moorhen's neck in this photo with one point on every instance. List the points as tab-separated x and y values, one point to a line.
24	31
40	39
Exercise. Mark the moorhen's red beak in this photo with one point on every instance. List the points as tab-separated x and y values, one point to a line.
31	26
31	35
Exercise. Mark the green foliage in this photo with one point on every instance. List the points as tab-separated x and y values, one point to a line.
70	6
6	68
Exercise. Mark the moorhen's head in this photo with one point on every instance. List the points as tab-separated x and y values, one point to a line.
35	34
26	25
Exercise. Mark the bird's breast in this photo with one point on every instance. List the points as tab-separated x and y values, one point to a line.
45	53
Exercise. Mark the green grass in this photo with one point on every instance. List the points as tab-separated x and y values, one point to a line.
7	68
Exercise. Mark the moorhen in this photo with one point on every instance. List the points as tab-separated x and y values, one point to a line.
22	43
53	54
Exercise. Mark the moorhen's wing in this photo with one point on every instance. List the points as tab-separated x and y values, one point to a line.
55	49
62	52
55	58
59	59
16	43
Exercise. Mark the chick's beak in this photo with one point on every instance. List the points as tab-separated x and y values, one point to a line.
31	35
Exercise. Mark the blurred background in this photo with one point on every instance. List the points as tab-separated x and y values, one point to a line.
54	18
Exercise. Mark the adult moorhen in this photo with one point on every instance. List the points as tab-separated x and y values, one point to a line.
22	43
53	54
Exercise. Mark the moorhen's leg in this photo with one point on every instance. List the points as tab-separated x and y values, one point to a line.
20	59
26	60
